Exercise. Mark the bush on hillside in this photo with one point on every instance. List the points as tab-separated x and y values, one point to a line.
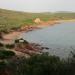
1	44
6	54
10	46
43	65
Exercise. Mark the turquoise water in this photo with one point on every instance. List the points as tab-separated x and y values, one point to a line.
59	38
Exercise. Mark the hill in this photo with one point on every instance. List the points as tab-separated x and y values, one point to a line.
14	19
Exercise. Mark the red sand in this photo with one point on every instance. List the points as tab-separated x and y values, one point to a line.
15	34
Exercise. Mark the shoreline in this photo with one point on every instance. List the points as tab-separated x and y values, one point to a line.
8	38
14	34
29	49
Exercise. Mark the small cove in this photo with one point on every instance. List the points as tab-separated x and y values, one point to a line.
58	38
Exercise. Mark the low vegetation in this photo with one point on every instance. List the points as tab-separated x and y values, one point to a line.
43	64
14	20
9	46
4	54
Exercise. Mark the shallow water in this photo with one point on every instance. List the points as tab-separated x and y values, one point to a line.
59	38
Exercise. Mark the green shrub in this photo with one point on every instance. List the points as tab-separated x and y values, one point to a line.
40	65
43	64
16	41
6	54
9	46
1	44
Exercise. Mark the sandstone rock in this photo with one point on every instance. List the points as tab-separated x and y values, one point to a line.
37	20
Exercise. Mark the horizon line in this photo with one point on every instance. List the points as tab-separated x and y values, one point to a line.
62	11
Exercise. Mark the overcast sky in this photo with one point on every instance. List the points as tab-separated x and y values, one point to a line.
38	5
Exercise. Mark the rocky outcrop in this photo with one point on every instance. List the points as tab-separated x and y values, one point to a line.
28	28
37	20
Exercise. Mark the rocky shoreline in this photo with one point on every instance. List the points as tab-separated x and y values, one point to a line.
14	34
30	48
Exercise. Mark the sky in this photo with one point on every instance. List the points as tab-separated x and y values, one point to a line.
38	5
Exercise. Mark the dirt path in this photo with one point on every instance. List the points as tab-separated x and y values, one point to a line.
11	35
